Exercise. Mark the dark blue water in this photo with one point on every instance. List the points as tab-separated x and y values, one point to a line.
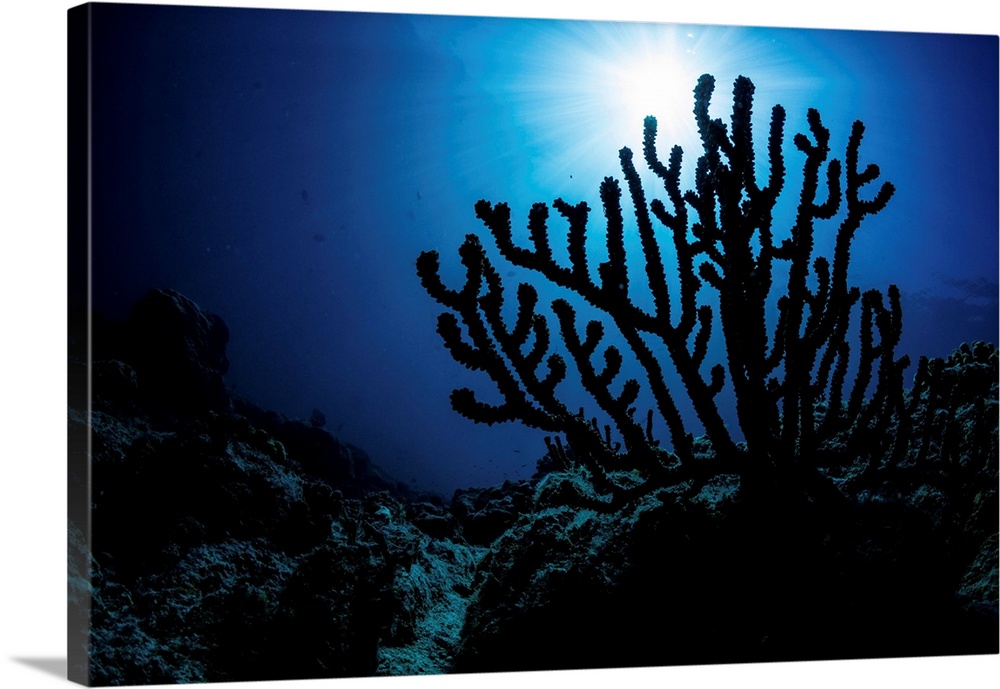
284	170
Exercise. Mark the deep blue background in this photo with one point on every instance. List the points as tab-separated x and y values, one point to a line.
285	168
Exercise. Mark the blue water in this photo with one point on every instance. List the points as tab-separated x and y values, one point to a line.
284	169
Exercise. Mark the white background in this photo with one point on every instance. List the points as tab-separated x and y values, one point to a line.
32	347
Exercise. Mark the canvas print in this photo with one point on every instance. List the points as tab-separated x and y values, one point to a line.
407	345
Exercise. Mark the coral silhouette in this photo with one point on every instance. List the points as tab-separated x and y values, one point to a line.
789	375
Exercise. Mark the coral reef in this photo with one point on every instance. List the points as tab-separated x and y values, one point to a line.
789	374
233	544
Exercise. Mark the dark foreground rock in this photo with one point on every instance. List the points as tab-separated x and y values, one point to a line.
692	574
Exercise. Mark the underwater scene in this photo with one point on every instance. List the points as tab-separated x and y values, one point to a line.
406	344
